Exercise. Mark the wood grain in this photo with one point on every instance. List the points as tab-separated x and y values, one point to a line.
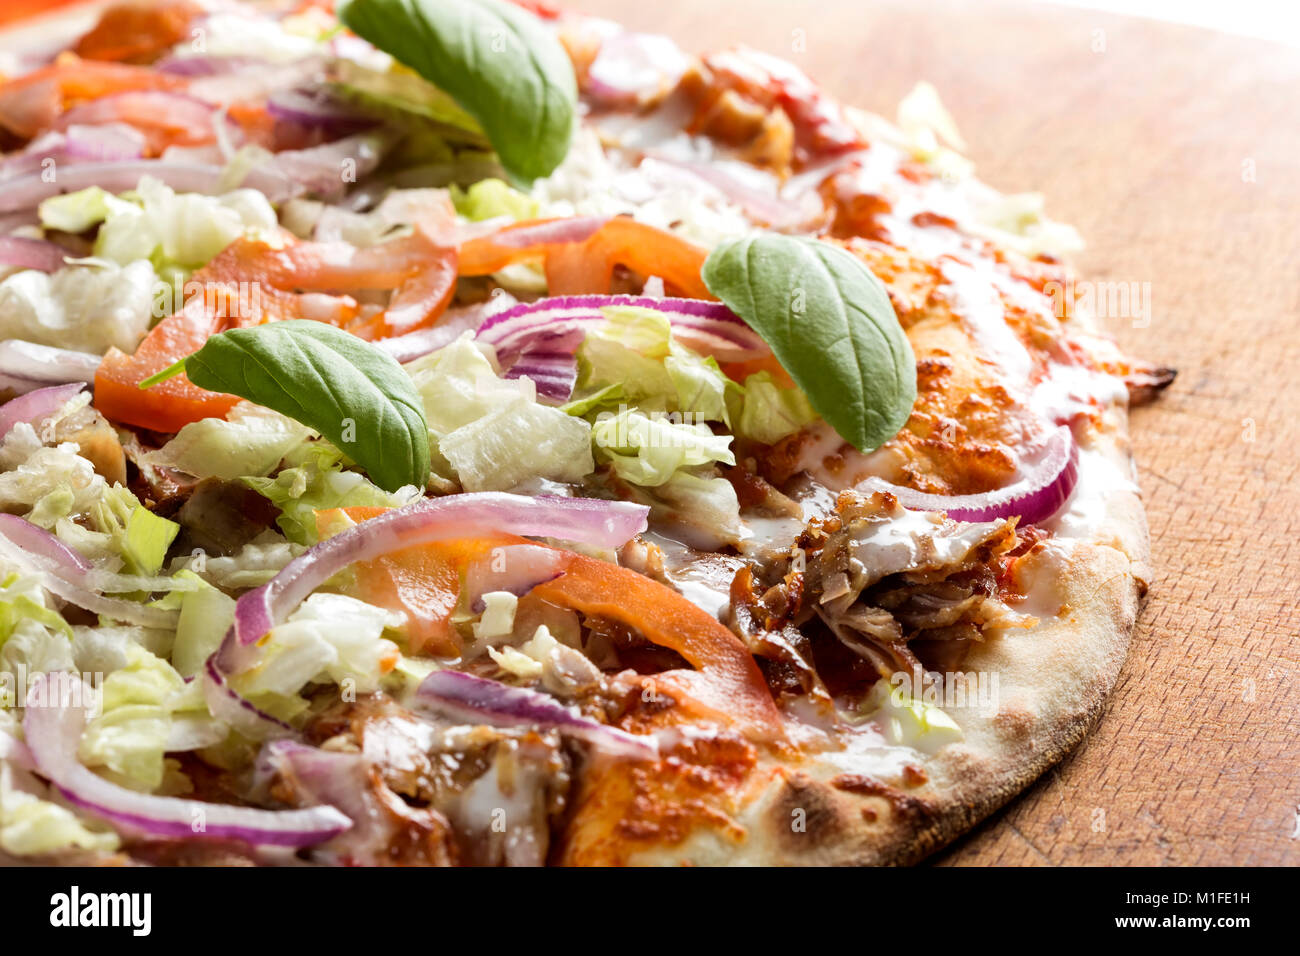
1176	152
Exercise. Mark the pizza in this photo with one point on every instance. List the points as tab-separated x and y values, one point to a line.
472	433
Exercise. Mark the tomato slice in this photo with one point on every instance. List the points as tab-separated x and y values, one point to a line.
137	31
423	582
251	282
727	682
170	404
587	267
163	118
30	103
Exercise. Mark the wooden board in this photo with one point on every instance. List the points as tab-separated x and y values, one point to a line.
1176	152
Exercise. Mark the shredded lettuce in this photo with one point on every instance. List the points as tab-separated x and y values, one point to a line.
491	432
519	441
129	736
770	412
206	615
330	638
31	825
91	306
647	450
249	442
34	638
317	480
633	359
133	532
176	232
492	198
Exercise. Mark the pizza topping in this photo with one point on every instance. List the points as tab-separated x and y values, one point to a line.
831	326
464	696
53	724
1050	475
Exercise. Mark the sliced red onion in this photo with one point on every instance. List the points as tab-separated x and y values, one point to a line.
26	365
54	721
1039	494
516	568
103	143
205	65
539	339
634	68
176	107
454	322
15	751
576	229
26	191
240	713
320	169
548	359
34	407
317	109
603	524
465	697
30	253
106	142
68	575
769	209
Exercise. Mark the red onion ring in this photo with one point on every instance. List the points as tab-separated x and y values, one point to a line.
35	407
317	109
524	566
53	724
604	524
1038	495
540	339
26	365
462	696
576	229
68	575
26	191
39	254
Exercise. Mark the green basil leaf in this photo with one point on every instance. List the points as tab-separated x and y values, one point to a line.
351	392
830	324
495	59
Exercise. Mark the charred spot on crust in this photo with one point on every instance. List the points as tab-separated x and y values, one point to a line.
908	806
805	815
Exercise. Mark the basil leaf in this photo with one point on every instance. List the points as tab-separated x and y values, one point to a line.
354	394
495	59
830	324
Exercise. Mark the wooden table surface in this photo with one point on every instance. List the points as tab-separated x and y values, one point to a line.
1176	152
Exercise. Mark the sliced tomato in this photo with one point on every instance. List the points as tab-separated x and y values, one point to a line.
587	267
164	118
422	582
311	280
29	104
727	683
484	255
138	31
171	404
251	282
